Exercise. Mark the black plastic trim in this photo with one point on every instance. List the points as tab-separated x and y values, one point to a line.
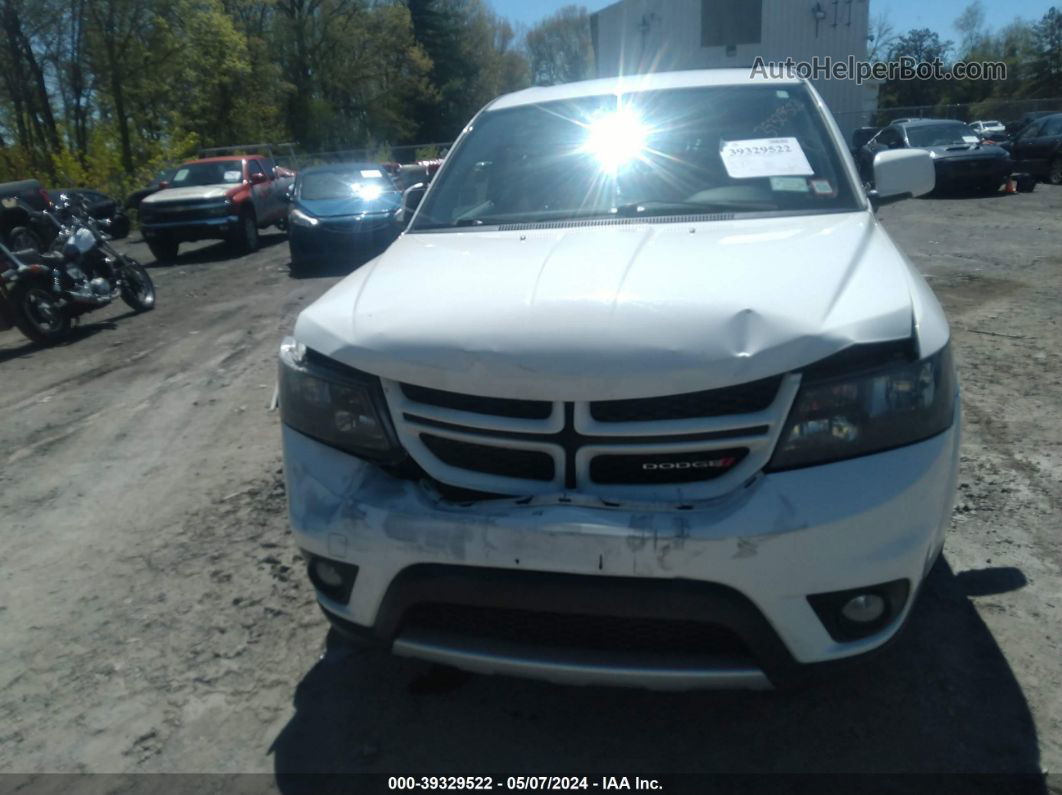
827	607
596	595
348	571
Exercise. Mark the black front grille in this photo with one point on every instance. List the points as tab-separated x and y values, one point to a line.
577	632
355	225
504	461
660	468
741	399
499	407
190	211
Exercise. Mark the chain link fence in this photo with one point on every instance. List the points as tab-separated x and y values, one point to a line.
404	154
1007	111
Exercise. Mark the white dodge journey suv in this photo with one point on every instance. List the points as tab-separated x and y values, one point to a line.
644	395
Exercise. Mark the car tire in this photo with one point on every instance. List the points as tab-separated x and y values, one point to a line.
164	251
1054	171
246	236
119	226
22	237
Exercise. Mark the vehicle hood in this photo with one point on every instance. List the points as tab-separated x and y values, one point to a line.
353	205
967	151
612	311
191	192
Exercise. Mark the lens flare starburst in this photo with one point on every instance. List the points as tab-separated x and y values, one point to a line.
616	138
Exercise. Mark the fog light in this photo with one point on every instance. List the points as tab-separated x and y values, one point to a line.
331	578
860	612
328	575
863	609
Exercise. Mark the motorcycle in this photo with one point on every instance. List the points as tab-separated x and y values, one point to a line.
43	293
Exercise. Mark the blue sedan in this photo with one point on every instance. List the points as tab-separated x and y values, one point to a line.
340	213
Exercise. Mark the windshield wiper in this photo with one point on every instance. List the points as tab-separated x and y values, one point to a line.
670	207
631	210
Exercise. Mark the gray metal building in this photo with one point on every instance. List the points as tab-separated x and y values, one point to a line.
634	36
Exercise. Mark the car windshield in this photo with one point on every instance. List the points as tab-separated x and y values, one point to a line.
951	134
163	176
734	149
216	172
363	182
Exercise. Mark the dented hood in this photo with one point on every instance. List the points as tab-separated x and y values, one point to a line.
616	310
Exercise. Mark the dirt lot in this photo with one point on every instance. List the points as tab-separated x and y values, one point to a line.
155	616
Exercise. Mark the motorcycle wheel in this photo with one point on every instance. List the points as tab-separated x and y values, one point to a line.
138	290
37	314
22	237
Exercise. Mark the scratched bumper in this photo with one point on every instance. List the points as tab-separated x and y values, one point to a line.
786	535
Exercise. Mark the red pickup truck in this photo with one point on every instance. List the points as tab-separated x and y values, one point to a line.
223	198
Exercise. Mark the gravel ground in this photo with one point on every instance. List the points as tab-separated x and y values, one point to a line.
155	616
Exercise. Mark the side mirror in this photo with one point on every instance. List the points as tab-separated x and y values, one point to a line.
411	198
258	178
289	194
164	184
901	174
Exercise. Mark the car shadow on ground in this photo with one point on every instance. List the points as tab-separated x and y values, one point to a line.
220	251
340	266
956	193
942	700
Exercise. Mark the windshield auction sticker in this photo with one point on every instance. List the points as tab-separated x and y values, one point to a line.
764	157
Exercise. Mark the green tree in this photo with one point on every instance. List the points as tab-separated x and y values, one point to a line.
559	47
1045	66
919	45
472	61
25	86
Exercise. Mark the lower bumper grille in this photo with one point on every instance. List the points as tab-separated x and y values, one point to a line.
573	632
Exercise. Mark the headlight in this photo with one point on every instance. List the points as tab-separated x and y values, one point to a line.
877	410
334	405
299	218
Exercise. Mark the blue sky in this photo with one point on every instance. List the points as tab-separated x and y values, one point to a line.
937	15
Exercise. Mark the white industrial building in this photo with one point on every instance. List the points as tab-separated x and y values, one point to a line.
634	36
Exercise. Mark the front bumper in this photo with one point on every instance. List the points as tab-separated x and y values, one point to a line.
189	230
752	558
329	240
962	171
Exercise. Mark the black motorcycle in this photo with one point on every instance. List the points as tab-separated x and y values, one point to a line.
43	294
